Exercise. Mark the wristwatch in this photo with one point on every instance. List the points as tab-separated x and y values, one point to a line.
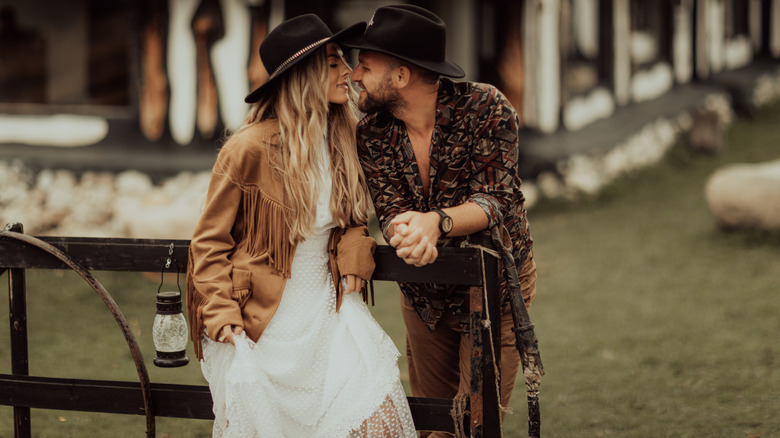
445	222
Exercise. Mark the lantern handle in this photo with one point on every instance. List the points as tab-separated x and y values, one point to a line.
167	265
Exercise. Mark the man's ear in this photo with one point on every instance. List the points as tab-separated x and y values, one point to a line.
402	76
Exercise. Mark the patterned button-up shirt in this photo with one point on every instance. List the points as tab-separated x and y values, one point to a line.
473	157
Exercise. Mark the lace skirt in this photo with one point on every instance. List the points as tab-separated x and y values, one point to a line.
314	372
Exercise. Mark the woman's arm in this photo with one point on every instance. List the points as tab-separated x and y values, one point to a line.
211	246
355	253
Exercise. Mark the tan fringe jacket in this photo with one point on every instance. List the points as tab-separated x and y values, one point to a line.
240	255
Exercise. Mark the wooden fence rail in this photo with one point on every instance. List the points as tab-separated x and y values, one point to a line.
18	252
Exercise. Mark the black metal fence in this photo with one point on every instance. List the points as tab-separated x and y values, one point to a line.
18	252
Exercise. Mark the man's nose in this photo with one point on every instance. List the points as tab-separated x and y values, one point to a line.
355	76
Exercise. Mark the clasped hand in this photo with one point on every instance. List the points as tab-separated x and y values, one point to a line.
415	237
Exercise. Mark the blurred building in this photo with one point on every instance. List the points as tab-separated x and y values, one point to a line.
154	84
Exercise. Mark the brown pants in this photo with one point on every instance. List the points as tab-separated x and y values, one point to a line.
439	364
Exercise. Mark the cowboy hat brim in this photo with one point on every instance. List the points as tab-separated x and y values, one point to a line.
351	32
445	68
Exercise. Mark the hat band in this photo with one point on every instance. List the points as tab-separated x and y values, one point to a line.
297	54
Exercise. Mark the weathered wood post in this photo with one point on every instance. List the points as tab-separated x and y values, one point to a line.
485	327
17	306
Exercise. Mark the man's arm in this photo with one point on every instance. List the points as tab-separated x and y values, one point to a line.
417	233
492	185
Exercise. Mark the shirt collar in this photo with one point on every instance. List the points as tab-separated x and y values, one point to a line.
444	105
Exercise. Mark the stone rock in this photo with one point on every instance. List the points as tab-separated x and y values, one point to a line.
707	134
15	183
582	174
746	196
91	212
531	194
60	197
27	211
133	183
166	212
550	185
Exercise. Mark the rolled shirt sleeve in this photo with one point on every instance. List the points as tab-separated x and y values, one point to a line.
494	184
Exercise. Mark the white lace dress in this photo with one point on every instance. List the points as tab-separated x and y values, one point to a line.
314	372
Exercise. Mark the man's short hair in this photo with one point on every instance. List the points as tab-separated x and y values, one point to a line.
428	76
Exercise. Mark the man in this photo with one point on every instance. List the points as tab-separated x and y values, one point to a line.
440	159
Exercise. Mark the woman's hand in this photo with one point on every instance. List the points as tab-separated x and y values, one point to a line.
228	332
351	283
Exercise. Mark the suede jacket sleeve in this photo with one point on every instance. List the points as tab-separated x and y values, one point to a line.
352	252
355	253
210	281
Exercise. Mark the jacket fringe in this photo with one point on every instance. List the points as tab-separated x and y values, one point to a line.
241	296
266	227
365	292
195	303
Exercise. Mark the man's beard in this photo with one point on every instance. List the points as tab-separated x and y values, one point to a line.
386	98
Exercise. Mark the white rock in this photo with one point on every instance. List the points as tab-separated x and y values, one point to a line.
745	196
739	52
15	183
584	110
92	211
26	210
60	195
133	182
550	185
652	83
644	47
169	211
583	174
531	194
616	162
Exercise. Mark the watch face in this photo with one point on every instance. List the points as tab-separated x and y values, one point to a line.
446	224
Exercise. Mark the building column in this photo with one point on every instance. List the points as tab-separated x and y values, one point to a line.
546	13
621	17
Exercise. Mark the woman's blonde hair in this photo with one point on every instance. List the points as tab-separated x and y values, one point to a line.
300	103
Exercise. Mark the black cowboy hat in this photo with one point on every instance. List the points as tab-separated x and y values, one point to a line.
410	33
293	40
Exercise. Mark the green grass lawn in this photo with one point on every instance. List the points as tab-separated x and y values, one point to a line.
652	322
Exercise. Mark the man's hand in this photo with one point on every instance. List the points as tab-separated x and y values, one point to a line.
415	237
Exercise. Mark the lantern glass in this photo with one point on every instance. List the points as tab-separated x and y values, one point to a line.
169	331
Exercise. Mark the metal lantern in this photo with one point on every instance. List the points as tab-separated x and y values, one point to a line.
169	331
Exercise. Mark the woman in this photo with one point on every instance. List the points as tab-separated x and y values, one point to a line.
286	344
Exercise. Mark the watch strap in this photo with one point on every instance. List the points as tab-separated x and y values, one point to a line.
442	216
